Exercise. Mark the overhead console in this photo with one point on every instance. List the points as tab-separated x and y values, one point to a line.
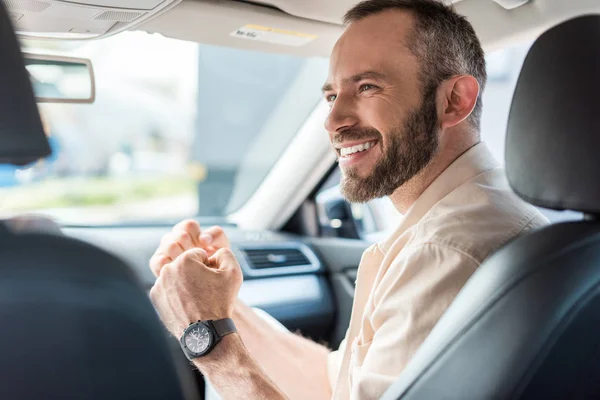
81	19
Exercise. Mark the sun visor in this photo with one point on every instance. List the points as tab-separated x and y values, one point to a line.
81	19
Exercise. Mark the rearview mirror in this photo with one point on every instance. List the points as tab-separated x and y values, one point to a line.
58	79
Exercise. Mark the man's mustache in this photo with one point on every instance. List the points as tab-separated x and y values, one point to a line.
356	134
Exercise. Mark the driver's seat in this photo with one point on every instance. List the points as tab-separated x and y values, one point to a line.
74	322
527	324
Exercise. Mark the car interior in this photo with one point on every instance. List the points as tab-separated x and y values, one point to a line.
224	96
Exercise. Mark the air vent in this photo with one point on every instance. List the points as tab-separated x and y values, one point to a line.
269	259
118	16
275	258
27	5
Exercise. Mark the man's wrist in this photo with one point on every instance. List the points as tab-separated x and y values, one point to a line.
234	373
229	351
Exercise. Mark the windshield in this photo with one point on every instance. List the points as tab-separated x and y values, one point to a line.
178	129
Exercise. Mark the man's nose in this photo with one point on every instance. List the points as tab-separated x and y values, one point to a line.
342	115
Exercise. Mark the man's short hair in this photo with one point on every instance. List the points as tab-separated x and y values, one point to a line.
443	41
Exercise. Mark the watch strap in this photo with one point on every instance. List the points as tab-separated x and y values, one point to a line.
223	326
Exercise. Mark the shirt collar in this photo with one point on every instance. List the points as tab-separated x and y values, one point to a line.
476	160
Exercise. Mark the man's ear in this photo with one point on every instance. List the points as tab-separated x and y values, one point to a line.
457	97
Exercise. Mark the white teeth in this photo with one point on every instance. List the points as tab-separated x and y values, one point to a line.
346	151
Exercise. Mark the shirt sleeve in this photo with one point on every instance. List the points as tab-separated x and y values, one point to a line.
415	291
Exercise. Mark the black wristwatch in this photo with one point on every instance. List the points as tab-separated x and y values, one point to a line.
199	338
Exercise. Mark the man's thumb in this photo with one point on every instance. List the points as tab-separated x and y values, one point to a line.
223	259
197	254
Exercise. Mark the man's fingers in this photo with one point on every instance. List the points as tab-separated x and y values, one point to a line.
223	259
186	236
184	239
170	246
214	237
195	257
157	262
192	227
199	254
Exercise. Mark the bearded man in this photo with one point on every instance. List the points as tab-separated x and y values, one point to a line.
404	89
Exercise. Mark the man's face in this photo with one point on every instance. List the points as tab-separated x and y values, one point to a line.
383	119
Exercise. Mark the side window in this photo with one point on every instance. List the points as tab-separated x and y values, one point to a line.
372	221
385	217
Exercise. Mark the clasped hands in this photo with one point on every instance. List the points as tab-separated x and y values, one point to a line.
198	276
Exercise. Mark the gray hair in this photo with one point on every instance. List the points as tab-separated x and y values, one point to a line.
443	41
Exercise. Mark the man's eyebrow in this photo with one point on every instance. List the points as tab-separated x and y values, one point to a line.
365	75
356	78
327	87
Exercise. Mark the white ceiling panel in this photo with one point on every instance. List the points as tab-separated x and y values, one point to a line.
331	11
212	22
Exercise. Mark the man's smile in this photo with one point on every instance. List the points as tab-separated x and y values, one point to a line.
352	152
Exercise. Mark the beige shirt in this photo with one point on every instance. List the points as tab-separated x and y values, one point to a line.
405	284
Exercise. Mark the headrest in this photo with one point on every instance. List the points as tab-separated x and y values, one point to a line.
82	308
21	133
553	137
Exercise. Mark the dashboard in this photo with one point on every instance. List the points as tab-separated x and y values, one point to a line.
283	275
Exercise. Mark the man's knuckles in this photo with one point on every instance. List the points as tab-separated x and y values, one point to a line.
184	239
215	231
214	237
157	262
166	238
224	258
173	249
154	293
190	259
191	227
223	254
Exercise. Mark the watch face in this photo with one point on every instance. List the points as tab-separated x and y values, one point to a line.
198	339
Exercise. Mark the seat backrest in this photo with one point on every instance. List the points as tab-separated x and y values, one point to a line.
74	322
527	324
23	139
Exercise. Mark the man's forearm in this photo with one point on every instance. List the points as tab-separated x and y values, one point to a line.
235	374
297	365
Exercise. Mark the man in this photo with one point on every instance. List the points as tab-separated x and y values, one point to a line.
404	88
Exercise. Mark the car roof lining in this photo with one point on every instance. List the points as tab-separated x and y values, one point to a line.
212	22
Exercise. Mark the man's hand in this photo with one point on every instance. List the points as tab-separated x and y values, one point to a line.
196	287
199	279
184	236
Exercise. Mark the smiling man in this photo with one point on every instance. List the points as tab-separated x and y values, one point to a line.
404	89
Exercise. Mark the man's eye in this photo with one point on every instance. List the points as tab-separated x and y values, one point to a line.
330	98
366	86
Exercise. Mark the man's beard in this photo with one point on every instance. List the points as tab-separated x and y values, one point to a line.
409	150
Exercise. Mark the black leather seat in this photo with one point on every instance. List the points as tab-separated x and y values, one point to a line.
74	323
527	324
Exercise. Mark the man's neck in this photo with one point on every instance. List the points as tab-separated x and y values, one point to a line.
406	195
